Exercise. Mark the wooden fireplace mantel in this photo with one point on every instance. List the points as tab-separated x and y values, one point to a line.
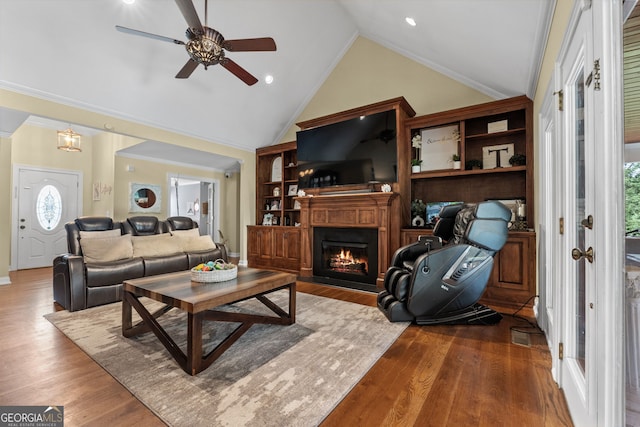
364	210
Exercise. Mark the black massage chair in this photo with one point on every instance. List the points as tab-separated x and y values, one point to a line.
439	279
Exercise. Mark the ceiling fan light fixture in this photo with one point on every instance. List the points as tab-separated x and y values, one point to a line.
68	140
410	21
268	79
207	48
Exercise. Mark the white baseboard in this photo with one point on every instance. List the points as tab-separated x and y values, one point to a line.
234	254
5	280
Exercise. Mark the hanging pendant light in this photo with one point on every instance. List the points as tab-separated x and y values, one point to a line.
68	140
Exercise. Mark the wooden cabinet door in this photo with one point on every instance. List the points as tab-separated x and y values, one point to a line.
512	280
260	246
286	248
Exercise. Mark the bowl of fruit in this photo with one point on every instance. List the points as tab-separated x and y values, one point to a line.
214	271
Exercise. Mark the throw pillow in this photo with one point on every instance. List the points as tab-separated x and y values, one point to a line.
106	249
200	243
155	246
194	232
100	234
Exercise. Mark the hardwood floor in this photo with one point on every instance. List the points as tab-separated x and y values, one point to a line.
431	376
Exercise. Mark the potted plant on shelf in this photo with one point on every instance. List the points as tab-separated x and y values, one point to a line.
456	161
518	160
415	165
416	143
473	164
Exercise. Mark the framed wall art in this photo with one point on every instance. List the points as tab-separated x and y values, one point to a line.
145	198
438	147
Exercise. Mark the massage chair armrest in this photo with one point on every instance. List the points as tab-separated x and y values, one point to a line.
405	256
69	287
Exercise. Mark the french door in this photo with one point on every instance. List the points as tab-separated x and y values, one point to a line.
588	230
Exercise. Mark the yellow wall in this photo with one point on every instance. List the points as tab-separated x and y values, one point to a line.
370	73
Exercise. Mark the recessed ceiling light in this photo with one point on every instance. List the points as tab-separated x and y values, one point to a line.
268	79
410	21
128	1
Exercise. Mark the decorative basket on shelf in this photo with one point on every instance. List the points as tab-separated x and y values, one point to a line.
224	271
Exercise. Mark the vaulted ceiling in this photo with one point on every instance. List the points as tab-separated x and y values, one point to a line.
69	51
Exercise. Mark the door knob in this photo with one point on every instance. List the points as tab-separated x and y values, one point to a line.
587	222
576	254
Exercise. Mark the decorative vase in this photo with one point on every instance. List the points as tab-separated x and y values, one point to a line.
415	169
417	221
456	164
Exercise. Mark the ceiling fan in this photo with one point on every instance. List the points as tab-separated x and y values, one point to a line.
206	46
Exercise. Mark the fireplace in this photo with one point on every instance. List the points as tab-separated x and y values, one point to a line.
346	257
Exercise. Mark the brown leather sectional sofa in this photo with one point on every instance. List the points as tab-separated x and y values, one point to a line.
144	246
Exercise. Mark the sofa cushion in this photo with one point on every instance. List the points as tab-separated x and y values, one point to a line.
155	246
100	234
194	244
194	232
165	264
107	249
114	272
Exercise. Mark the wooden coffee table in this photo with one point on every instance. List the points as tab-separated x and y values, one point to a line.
177	290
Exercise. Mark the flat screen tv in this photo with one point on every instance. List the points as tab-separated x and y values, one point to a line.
362	150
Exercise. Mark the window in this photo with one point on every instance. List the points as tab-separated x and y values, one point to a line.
49	207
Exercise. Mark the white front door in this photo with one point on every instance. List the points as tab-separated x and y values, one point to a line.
589	310
46	201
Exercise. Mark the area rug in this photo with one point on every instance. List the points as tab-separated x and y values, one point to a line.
272	376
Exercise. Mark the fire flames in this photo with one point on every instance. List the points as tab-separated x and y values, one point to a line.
345	262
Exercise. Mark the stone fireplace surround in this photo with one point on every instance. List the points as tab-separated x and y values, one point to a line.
364	210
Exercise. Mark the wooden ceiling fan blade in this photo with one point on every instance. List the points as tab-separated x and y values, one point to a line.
250	45
188	68
188	10
239	72
149	35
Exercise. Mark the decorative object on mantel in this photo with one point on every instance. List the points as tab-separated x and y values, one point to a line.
456	161
438	144
496	156
385	188
68	140
301	193
518	160
418	212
